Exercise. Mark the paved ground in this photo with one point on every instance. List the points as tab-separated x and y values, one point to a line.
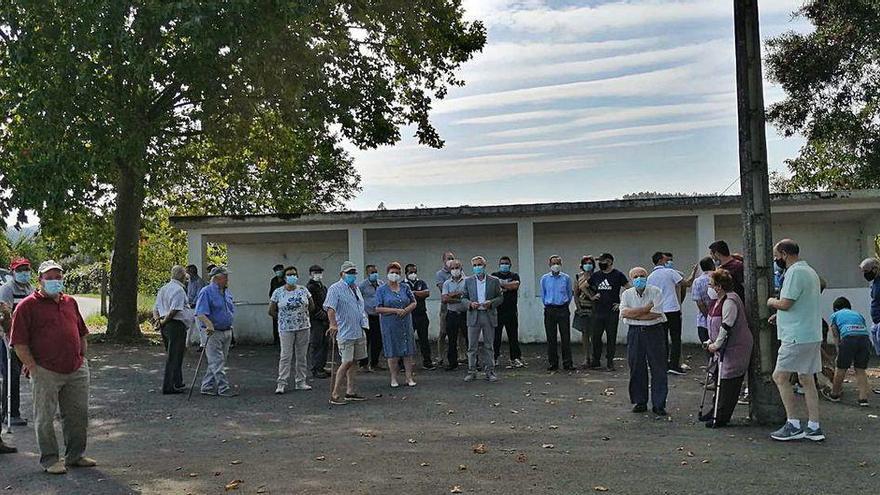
560	433
88	306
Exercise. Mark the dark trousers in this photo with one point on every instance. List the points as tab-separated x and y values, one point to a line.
605	324
275	339
318	343
374	342
456	324
558	318
508	320
728	395
644	351
174	338
673	339
420	324
13	381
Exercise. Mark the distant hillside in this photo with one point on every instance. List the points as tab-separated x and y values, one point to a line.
13	234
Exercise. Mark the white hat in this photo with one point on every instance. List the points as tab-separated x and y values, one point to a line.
49	265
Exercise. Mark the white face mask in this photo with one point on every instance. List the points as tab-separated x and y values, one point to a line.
413	277
713	294
393	277
456	272
556	268
317	277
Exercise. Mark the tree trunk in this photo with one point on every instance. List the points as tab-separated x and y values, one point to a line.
122	322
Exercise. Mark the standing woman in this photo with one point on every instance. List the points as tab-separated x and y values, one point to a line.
731	342
395	302
584	299
291	304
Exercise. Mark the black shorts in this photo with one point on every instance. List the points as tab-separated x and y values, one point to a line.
854	351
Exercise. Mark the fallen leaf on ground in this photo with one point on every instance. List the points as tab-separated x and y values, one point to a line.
684	463
690	454
480	448
321	458
514	411
451	411
496	404
872	416
193	475
605	439
233	485
548	446
608	391
368	434
262	489
600	488
462	467
705	461
455	489
412	440
521	457
863	464
424	464
554	427
235	462
492	422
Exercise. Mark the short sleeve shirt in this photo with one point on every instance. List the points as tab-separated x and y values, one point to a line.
418	286
293	308
172	297
631	299
849	323
700	293
451	286
667	279
509	301
387	298
442	276
348	302
51	330
369	292
802	322
217	305
608	286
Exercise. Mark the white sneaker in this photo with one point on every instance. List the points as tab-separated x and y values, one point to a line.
279	389
303	386
518	363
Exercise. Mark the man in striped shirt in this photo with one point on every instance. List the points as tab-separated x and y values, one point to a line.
345	310
12	293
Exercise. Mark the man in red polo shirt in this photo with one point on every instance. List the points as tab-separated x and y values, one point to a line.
49	336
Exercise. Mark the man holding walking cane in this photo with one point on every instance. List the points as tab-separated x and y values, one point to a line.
345	310
215	310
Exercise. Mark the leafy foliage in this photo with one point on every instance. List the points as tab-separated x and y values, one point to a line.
831	77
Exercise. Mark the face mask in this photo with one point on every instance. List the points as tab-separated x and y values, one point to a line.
588	267
373	277
22	277
670	264
317	277
53	287
412	277
478	270
291	279
716	261
456	272
869	276
713	294
780	263
279	273
393	277
603	265
349	278
640	283
505	268
555	268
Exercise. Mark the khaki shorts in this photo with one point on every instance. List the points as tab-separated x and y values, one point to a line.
804	359
352	350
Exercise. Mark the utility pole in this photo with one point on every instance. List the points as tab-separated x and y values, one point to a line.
766	406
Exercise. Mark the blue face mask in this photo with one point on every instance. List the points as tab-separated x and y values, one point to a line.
478	270
504	268
670	264
279	273
373	277
640	283
588	267
22	277
291	279
350	278
53	287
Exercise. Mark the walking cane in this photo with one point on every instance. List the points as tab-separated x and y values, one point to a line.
8	383
332	366
706	384
718	384
198	365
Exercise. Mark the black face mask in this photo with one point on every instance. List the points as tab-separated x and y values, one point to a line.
604	266
780	263
870	276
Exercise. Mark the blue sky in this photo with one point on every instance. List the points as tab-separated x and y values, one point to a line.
583	100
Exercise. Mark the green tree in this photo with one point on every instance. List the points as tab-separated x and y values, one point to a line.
116	108
832	85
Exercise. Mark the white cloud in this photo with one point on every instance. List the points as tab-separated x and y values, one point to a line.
506	118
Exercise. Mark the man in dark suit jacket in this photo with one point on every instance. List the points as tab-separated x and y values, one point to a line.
483	296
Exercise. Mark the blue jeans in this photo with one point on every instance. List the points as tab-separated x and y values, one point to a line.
646	349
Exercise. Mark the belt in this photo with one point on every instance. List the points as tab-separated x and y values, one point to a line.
556	306
222	329
456	312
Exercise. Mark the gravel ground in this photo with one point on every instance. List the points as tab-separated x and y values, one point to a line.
539	433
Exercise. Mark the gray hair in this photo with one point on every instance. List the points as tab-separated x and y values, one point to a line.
870	264
178	272
478	258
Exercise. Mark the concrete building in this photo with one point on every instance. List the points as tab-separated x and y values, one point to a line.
834	229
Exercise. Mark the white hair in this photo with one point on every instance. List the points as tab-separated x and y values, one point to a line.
478	258
177	272
870	264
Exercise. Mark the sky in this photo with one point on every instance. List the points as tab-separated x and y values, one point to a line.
583	100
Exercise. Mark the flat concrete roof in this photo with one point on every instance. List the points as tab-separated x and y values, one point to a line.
459	212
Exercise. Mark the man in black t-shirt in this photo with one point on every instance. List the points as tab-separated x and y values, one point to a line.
608	282
507	313
420	320
275	282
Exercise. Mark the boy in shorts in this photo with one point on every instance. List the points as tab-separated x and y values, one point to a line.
853	348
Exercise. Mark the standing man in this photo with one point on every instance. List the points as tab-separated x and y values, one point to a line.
275	282
871	271
12	293
700	295
641	309
173	317
49	336
608	281
318	340
194	285
456	312
444	274
374	332
668	280
345	310
482	297
556	293
799	327
508	317
720	252
420	321
215	309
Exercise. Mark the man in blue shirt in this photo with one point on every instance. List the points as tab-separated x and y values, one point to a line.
214	308
368	288
871	271
556	293
345	310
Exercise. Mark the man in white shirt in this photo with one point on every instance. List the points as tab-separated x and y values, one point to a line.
173	316
665	277
641	310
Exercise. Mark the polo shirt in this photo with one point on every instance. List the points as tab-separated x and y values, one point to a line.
51	330
849	323
666	279
802	322
348	302
451	286
171	297
556	289
442	276
369	292
216	305
418	286
631	299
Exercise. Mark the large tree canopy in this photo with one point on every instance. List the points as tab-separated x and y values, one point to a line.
119	107
831	77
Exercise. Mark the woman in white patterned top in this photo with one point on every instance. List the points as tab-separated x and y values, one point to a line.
291	304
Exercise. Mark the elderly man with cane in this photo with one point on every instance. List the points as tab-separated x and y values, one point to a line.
5	320
12	293
215	310
345	310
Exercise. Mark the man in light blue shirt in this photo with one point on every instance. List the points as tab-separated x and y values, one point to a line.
345	310
368	288
556	293
215	309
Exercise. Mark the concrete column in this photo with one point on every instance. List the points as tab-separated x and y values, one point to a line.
870	227
196	251
525	238
705	233
356	247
